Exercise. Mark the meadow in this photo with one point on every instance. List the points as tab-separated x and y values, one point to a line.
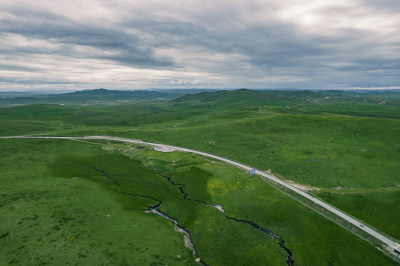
343	147
80	203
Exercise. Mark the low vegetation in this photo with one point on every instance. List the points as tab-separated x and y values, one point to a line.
343	146
84	203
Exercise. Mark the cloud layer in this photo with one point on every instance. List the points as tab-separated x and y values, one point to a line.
185	43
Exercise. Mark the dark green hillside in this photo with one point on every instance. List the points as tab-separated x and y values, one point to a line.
244	98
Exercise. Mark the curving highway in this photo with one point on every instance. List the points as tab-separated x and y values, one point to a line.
395	247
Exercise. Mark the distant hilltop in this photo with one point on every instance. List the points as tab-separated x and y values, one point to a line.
105	92
244	96
247	97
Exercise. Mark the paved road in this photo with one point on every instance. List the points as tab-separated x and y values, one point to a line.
393	245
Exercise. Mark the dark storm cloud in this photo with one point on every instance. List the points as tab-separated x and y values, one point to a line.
318	44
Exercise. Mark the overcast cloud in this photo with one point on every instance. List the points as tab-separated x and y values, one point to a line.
74	44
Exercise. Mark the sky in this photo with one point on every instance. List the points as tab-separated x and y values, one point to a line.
313	44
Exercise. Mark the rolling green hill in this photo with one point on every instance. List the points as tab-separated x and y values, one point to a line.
224	97
343	146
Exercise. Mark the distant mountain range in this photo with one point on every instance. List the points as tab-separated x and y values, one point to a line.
85	96
238	97
105	92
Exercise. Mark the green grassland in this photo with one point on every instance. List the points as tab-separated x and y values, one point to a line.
318	151
76	203
58	220
344	146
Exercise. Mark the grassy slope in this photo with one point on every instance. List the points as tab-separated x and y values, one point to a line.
60	220
88	220
296	135
327	152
